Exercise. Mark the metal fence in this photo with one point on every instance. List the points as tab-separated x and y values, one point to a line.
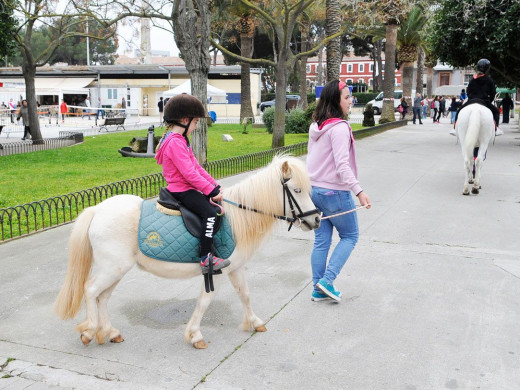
65	139
32	217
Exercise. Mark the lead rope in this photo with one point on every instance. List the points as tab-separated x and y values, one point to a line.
343	213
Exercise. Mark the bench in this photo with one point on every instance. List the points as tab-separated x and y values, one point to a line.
119	122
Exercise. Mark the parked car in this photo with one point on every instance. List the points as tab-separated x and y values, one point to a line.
377	103
292	101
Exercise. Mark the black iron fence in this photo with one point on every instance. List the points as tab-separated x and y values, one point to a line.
65	139
32	217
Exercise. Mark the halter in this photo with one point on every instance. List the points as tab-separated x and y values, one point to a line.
292	203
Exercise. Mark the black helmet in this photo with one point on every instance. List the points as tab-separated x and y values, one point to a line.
183	106
483	65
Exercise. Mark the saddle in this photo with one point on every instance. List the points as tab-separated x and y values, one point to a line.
191	220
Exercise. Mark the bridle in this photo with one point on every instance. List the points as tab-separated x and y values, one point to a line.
293	203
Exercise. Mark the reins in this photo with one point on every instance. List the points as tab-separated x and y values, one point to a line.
244	207
345	212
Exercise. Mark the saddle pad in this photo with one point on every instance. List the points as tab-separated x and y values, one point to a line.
164	237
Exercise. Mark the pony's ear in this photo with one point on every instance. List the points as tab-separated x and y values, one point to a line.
286	170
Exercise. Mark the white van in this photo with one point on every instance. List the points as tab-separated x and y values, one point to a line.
377	103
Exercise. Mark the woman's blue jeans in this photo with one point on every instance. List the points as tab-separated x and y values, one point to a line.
332	202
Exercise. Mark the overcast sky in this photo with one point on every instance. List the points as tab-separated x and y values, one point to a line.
130	40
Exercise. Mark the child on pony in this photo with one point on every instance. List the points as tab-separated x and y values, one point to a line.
187	181
481	89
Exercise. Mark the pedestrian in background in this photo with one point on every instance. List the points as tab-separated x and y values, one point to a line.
331	161
160	105
417	108
506	104
63	110
123	106
12	108
24	114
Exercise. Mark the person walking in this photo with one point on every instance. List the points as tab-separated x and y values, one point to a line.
436	110
331	162
417	108
123	106
454	107
160	105
12	109
506	104
24	114
187	181
100	110
63	110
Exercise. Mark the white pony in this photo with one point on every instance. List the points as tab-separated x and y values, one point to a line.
103	247
475	128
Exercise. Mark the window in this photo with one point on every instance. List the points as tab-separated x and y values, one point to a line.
467	78
349	81
371	82
308	68
361	68
349	68
361	81
128	97
112	93
371	67
444	78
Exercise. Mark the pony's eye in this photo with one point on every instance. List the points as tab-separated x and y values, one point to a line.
297	190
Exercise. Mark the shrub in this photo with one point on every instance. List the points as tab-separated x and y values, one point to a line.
309	111
296	122
368	116
364	98
268	118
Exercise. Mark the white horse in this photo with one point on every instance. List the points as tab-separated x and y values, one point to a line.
103	247
475	128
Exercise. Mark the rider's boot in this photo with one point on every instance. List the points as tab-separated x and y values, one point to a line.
218	263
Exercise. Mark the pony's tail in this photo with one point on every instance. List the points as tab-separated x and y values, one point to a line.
70	297
472	133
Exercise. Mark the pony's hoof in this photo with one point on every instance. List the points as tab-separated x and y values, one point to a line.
117	339
261	328
465	193
470	181
474	190
201	344
85	340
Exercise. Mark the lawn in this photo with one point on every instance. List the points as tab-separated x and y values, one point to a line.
39	175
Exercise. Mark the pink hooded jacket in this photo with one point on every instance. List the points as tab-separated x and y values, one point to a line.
181	169
331	158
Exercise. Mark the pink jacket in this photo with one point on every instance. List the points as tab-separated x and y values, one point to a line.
181	169
331	158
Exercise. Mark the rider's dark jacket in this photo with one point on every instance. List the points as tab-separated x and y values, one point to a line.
481	87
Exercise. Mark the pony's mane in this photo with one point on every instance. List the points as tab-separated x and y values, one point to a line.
262	191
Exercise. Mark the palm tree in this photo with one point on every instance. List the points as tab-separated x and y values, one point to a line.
333	26
246	28
408	39
392	13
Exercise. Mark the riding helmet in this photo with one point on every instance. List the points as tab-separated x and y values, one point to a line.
183	106
483	65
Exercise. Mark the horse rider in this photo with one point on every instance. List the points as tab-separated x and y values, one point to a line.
481	89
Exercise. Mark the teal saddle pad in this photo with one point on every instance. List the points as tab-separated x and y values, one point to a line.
164	237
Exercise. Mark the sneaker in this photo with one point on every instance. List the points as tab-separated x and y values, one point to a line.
498	132
329	290
218	263
452	132
317	296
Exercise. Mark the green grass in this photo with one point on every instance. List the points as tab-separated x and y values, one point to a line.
40	175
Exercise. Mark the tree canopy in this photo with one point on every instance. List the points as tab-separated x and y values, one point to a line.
462	32
7	25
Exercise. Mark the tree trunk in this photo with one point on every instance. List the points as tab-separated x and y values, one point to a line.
191	28
303	63
279	108
420	71
246	50
333	26
407	79
319	68
387	114
379	58
429	81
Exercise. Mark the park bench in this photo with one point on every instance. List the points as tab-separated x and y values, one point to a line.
116	121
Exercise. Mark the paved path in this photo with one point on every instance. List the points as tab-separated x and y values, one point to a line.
431	295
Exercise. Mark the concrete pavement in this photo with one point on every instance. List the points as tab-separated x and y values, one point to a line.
431	294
